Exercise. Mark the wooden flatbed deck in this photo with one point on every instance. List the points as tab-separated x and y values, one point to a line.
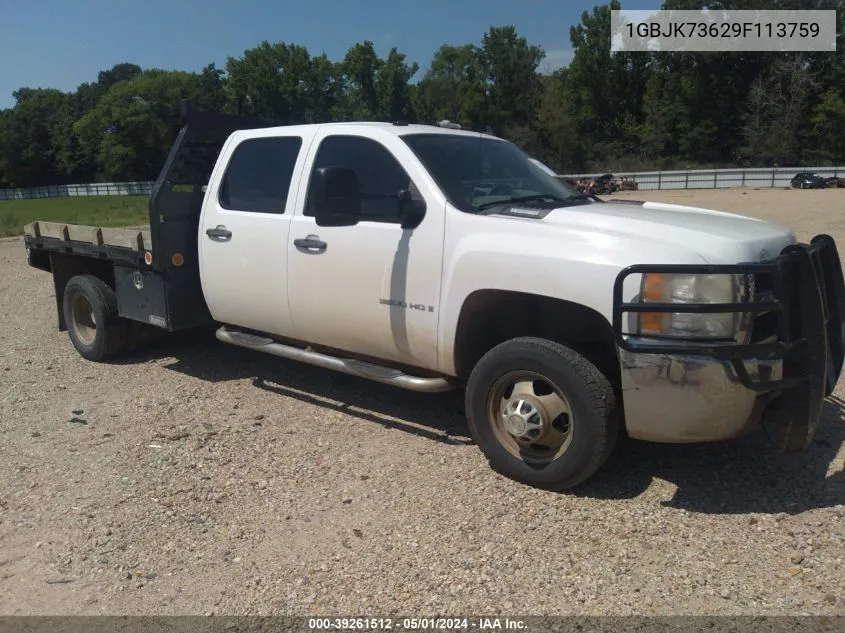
135	239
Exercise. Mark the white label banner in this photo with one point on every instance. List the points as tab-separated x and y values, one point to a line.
722	31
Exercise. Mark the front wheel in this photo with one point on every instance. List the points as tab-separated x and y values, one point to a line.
541	413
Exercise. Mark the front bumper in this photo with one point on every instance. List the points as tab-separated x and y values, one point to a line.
677	391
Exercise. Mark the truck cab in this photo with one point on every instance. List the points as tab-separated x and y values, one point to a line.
282	268
434	258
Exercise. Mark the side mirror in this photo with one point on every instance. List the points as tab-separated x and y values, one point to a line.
337	200
411	211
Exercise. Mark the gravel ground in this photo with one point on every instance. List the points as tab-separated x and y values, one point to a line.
194	478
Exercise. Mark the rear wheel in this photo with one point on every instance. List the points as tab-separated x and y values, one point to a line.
94	326
541	413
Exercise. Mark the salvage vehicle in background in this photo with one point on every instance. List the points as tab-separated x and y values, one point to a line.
432	258
627	183
807	180
604	184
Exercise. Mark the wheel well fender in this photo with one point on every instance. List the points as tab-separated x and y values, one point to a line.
491	317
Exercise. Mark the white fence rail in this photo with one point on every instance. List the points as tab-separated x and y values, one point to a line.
719	178
689	179
93	189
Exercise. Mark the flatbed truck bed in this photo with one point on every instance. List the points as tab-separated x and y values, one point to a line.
154	269
85	237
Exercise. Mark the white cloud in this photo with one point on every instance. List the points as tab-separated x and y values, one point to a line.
555	60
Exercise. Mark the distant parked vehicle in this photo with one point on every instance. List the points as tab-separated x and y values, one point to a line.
626	183
834	181
605	184
808	180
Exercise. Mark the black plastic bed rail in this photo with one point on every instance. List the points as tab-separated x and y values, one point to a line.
804	307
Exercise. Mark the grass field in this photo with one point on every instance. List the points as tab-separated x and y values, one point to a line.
97	210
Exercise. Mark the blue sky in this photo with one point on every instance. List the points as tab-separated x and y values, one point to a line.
59	44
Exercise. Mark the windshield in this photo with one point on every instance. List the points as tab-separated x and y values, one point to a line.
477	172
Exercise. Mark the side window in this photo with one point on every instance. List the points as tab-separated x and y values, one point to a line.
259	174
380	176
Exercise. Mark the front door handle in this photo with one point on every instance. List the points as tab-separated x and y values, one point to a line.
219	233
311	243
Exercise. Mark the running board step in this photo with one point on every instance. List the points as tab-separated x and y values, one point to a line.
378	373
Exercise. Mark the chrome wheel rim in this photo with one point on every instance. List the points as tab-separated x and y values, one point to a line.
84	321
531	417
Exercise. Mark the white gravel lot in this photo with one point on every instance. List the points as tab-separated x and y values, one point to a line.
202	478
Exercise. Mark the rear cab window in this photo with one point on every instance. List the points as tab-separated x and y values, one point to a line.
259	174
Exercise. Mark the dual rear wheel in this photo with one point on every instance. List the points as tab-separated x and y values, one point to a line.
94	324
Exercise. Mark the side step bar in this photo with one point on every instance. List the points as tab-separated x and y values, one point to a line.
378	373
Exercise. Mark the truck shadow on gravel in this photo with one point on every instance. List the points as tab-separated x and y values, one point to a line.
742	476
737	477
437	417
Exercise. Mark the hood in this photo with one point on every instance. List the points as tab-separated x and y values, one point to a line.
718	237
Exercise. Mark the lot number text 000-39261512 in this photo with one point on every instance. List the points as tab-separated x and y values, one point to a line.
461	623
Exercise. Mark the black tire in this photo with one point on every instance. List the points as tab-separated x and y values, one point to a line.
591	424
101	334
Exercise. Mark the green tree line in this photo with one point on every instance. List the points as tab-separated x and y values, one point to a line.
604	111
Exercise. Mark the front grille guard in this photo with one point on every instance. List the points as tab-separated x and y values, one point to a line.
808	300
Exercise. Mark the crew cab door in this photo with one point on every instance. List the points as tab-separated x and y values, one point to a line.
373	288
244	230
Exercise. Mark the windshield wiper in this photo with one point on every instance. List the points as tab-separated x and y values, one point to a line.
518	199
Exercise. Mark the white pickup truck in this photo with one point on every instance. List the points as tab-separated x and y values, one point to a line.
431	258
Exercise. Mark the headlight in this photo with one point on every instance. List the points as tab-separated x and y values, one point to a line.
679	288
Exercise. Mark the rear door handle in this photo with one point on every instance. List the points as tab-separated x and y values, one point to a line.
219	233
311	243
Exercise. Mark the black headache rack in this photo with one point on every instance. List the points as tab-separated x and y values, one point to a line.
167	291
798	320
161	284
177	195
